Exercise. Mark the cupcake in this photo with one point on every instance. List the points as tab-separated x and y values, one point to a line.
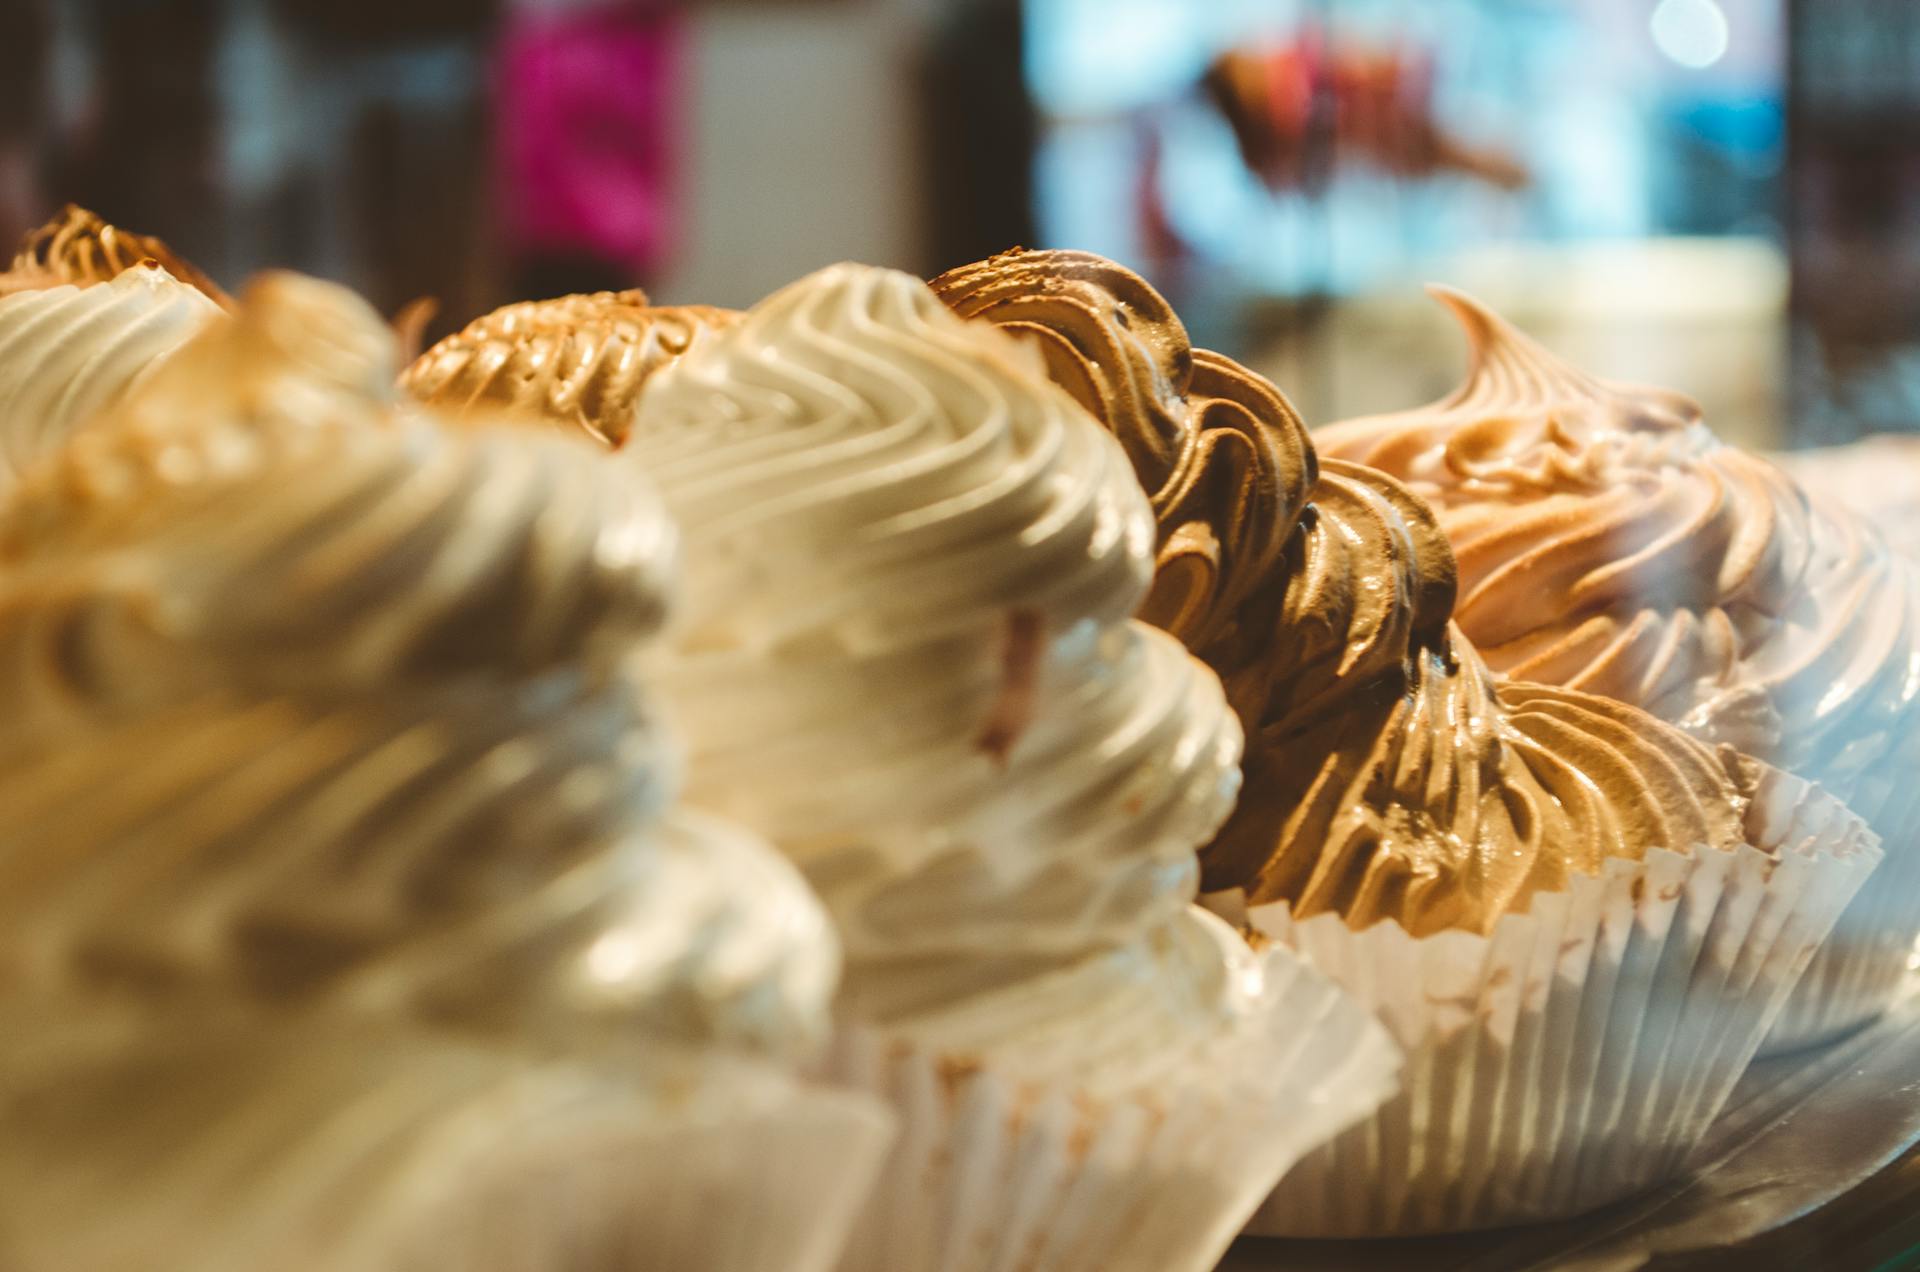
343	872
577	361
85	312
1608	542
1578	922
905	656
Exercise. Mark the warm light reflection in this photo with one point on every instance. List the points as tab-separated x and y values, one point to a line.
613	957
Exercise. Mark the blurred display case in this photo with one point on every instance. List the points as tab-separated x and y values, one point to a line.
1290	170
1854	217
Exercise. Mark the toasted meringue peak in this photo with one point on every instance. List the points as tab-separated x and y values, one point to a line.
577	361
77	247
1609	542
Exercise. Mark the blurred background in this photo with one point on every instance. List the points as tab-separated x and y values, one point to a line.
1718	195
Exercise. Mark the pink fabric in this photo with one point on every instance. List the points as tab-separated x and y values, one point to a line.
587	131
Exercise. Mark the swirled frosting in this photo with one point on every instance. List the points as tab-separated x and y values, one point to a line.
1387	777
1607	541
310	696
1390	779
68	352
309	536
77	247
905	651
496	864
1220	451
575	360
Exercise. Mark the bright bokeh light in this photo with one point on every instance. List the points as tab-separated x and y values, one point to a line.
1691	32
614	957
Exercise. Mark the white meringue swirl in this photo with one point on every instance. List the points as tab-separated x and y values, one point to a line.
67	353
309	697
886	511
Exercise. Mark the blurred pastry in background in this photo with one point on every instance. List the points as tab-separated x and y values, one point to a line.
1609	542
86	312
1298	109
78	247
579	361
1460	850
343	868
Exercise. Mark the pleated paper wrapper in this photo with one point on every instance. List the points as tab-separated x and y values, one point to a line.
1574	1056
327	1146
1866	962
994	1174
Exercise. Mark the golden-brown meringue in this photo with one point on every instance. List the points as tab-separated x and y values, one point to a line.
1608	542
1388	776
575	360
78	247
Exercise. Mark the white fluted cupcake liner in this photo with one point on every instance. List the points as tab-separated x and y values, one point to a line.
238	1144
1865	964
1575	1055
994	1174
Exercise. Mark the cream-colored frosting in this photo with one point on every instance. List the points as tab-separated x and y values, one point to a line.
493	863
269	522
1128	1018
69	352
905	652
310	697
201	1142
1607	541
